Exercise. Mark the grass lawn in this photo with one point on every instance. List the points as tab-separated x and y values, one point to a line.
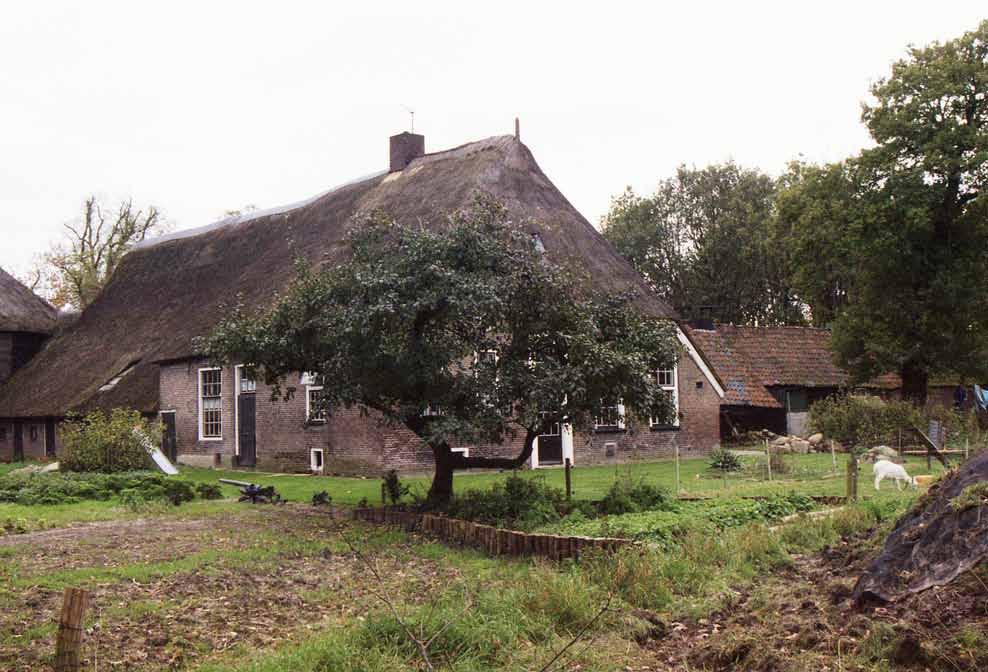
810	474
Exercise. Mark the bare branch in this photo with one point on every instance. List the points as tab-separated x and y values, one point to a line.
579	635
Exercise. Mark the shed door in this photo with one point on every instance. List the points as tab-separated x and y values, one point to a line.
247	414
18	441
169	438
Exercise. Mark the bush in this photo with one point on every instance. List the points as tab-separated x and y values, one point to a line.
860	422
628	495
394	489
107	442
209	491
519	503
724	460
70	488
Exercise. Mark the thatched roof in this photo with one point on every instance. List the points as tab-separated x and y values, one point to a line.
23	310
163	295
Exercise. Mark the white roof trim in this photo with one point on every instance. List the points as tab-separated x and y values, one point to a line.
698	360
243	218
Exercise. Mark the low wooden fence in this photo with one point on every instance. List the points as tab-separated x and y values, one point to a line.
488	538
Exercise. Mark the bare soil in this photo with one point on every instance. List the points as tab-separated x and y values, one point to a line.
170	616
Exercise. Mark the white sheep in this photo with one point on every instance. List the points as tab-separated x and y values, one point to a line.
885	469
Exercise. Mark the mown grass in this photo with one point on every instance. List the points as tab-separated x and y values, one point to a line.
810	474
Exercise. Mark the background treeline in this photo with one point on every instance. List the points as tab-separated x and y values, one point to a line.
888	247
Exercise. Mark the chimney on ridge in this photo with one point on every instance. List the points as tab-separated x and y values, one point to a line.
405	147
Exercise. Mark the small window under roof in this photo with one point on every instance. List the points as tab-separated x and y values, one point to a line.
112	382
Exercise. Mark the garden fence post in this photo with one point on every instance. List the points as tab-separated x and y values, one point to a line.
833	453
852	477
569	481
68	645
768	459
677	469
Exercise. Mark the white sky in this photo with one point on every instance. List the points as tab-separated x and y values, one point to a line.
202	107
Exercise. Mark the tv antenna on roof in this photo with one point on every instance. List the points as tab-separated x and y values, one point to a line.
411	113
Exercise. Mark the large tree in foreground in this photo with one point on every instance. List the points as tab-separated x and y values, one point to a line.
464	332
893	244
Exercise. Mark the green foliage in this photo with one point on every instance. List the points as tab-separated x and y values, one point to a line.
630	495
437	327
891	245
209	491
703	219
107	442
670	524
68	488
394	489
860	422
724	460
972	496
517	503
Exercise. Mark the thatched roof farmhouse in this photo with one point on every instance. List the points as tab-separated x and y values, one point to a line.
170	290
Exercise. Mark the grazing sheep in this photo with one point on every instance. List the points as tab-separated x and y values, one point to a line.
885	469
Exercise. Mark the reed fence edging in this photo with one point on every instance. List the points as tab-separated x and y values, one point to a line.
487	538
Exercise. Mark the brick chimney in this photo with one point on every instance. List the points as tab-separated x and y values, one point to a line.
405	147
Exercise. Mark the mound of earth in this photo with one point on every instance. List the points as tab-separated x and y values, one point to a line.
945	535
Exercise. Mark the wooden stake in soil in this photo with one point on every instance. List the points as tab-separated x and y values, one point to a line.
68	646
833	454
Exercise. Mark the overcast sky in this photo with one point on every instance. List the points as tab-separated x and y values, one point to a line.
203	107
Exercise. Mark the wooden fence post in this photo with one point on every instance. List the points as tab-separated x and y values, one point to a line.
569	479
833	454
852	477
68	645
677	469
768	459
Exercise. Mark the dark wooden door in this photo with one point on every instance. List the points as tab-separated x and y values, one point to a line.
169	437
247	414
49	438
18	442
551	446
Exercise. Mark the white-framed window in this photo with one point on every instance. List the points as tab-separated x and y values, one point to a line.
668	380
315	411
248	384
316	459
611	416
465	450
211	404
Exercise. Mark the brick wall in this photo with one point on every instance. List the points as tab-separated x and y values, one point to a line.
357	443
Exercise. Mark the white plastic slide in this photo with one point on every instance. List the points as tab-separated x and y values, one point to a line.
159	457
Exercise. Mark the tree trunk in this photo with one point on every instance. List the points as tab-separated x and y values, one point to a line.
447	462
914	383
441	490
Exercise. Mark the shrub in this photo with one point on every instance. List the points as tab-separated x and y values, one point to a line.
107	442
209	491
520	503
321	499
860	422
628	495
70	488
724	460
394	489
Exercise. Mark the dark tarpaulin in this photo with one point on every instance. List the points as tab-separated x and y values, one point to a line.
932	544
